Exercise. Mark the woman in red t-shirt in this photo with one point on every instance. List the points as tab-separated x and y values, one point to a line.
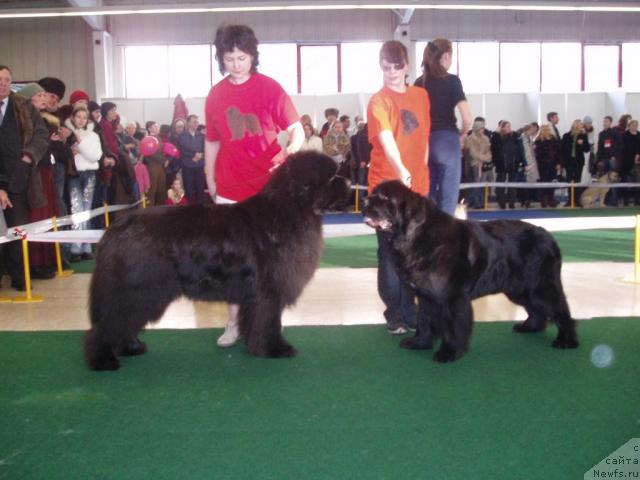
244	113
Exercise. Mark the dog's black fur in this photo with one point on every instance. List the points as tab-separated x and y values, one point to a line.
259	253
450	262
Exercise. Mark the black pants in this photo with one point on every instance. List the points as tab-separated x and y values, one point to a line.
12	251
194	184
574	173
506	194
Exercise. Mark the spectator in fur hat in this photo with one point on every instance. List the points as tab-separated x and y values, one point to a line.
55	89
42	258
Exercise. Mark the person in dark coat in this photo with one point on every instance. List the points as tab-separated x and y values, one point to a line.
191	147
24	139
575	144
508	157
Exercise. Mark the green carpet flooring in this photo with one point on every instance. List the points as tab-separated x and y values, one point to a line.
352	405
576	246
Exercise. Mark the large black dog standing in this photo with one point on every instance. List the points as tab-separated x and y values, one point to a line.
259	254
450	262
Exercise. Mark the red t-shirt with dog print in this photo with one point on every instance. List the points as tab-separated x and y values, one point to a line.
246	119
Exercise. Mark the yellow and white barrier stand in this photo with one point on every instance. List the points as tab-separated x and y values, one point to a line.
106	215
573	194
60	273
636	264
486	196
28	298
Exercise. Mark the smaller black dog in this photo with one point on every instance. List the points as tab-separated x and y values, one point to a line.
450	262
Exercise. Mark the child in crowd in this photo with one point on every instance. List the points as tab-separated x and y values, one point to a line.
175	195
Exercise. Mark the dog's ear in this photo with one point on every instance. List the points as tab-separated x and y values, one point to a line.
301	176
410	207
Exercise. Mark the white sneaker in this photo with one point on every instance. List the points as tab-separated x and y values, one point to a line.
230	336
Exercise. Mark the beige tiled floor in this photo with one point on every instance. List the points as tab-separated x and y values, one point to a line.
337	296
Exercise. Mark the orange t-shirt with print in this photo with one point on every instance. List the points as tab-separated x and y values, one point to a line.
406	115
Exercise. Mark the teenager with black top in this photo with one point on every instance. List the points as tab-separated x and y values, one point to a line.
446	140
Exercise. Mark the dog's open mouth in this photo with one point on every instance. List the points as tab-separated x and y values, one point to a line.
382	223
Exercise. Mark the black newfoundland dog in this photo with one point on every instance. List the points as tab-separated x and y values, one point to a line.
450	262
259	254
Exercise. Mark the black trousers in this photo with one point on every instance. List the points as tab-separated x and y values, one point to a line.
505	194
12	251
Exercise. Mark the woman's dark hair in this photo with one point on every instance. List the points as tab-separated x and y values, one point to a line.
241	37
394	52
431	57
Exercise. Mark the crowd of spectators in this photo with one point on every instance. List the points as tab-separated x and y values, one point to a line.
64	158
535	153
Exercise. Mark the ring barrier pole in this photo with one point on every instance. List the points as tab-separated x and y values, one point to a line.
357	205
573	194
29	298
486	196
636	269
144	201
60	273
106	215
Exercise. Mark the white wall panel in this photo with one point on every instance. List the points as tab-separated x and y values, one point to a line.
633	104
35	48
581	104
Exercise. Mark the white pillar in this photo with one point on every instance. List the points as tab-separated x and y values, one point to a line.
103	64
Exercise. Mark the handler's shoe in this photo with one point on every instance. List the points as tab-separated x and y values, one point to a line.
396	329
230	336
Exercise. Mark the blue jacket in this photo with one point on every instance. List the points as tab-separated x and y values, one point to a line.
189	145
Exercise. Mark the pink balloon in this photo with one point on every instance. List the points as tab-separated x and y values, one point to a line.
170	150
149	145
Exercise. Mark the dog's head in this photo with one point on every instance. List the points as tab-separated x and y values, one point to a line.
392	206
310	179
612	176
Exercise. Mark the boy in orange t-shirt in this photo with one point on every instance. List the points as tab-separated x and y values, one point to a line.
398	124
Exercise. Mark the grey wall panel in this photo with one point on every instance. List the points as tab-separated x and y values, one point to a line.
35	48
297	26
526	26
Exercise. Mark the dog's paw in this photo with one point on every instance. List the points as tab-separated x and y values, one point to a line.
528	326
282	350
104	364
446	354
134	347
564	343
414	343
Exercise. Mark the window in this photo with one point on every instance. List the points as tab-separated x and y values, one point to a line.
601	64
478	64
319	69
146	72
631	67
420	46
519	67
189	70
561	67
360	68
279	61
